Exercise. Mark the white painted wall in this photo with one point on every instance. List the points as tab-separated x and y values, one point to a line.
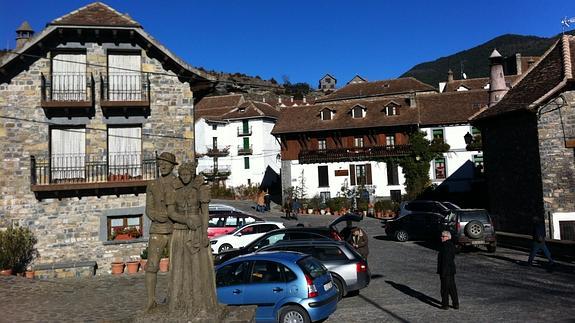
558	217
264	146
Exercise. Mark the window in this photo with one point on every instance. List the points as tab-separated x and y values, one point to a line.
246	142
263	228
69	77
475	131
390	140
478	163
67	153
266	272
358	142
232	274
392	174
321	144
246	163
248	230
327	80
328	253
125	151
438	135
391	110
322	175
124	77
440	168
214	127
360	174
214	142
245	127
395	195
326	114
125	227
324	196
357	112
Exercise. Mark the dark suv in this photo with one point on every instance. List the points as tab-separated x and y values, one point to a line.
424	206
472	227
415	225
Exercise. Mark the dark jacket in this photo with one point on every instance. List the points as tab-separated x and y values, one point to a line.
446	259
359	243
539	232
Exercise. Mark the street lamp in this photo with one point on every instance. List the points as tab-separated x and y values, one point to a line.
468	138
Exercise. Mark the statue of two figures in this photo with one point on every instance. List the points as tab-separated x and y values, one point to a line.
178	210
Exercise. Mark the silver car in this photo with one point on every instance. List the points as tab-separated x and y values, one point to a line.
349	270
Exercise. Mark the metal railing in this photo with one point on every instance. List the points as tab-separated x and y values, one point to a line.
242	150
353	153
215	151
125	87
220	171
86	168
244	132
67	87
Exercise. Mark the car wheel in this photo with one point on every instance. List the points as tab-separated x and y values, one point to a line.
474	229
491	247
401	235
224	247
340	289
293	314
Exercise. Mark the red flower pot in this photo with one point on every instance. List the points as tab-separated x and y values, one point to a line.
117	268
132	267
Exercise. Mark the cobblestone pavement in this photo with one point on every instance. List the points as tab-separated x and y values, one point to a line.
492	288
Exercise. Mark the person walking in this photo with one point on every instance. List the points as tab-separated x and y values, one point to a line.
446	271
539	242
358	239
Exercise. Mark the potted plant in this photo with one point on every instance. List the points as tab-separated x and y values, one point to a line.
30	273
117	267
144	258
17	250
132	266
314	203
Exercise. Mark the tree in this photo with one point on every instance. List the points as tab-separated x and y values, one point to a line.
297	90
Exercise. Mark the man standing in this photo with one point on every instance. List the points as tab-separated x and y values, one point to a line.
162	227
446	271
358	239
539	242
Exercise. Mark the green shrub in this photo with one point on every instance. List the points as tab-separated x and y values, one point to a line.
383	205
144	254
338	203
222	192
17	249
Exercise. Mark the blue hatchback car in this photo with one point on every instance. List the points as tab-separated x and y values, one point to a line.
286	286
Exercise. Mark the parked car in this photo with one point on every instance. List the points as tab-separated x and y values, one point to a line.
286	286
415	225
472	227
216	207
329	232
420	206
349	270
241	236
451	206
222	222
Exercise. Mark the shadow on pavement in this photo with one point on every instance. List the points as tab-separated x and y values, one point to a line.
383	237
395	316
413	293
376	276
429	244
560	268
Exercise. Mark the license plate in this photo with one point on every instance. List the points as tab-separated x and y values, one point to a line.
327	286
477	242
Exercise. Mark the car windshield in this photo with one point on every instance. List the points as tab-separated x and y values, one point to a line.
474	215
451	206
312	267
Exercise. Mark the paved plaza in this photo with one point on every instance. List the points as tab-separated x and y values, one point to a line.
492	288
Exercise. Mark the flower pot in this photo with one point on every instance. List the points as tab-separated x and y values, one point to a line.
6	272
309	211
322	212
117	268
30	274
132	267
123	236
164	265
143	263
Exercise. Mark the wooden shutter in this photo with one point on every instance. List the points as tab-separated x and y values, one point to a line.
352	174
368	174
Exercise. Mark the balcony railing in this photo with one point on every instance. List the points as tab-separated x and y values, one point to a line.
67	94
352	154
221	172
243	150
244	132
218	152
82	172
125	94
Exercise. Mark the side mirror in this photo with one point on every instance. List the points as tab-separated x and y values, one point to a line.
239	234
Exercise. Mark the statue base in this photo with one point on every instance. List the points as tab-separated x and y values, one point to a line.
229	314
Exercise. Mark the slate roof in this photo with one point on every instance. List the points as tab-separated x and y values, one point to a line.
554	68
377	88
227	107
96	14
475	83
308	119
451	107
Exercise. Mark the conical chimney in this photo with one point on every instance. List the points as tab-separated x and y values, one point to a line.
23	34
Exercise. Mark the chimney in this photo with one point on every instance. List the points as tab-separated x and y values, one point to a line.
23	34
519	66
449	76
291	99
304	99
412	103
497	86
279	99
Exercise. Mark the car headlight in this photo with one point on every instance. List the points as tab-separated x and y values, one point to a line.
213	241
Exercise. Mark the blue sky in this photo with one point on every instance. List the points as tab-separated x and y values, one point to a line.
303	40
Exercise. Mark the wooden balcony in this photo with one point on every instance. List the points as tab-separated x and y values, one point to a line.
216	173
77	175
67	95
243	150
125	95
218	152
352	154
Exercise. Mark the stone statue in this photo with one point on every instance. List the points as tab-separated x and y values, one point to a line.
192	288
161	229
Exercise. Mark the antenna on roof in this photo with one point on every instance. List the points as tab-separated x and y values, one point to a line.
566	22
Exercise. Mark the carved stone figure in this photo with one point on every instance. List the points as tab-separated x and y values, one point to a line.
162	226
192	288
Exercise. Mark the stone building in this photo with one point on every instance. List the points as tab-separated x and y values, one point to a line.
327	83
85	105
528	142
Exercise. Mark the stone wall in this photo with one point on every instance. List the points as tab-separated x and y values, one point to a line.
513	170
69	230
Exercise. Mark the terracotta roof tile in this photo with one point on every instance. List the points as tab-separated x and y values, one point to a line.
450	107
541	78
307	119
377	88
96	14
252	109
226	107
